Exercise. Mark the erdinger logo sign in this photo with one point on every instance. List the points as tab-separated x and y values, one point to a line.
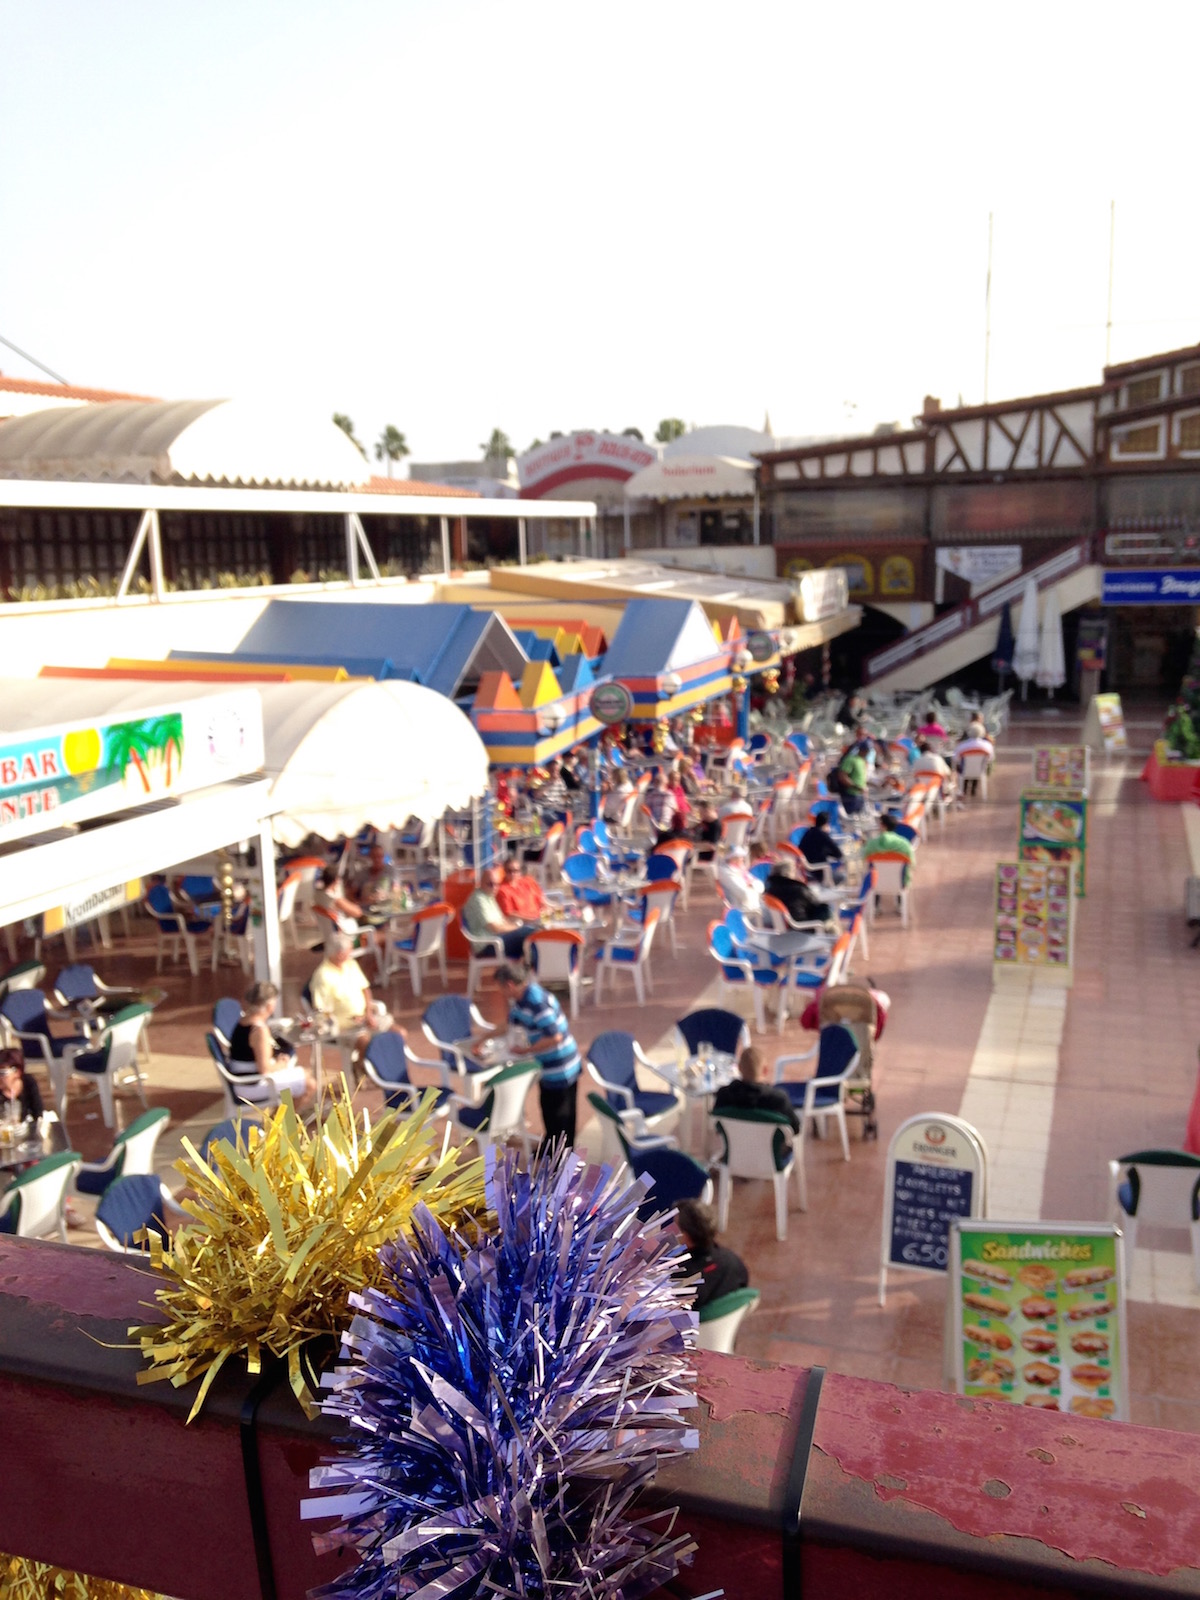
579	456
935	1135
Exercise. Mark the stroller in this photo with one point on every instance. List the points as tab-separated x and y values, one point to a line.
864	1011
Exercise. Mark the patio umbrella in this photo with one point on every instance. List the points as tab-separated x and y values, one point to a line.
1002	659
1025	656
1051	663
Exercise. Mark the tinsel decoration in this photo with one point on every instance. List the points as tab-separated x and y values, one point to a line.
24	1579
509	1396
285	1228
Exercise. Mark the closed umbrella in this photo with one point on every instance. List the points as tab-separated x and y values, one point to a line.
1002	659
1025	656
1052	662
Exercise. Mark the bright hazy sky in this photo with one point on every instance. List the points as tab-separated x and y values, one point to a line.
452	216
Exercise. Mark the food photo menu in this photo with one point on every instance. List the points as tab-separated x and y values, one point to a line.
1039	1316
1034	915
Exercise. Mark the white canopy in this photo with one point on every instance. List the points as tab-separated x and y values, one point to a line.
693	477
339	756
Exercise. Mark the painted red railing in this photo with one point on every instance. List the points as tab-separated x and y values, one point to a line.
954	624
838	1488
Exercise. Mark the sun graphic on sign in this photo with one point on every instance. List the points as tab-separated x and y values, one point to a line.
82	750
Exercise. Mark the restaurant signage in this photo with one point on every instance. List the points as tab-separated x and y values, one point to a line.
1062	766
582	455
611	703
1038	1316
1091	643
89	906
936	1170
71	771
1104	725
1053	827
1035	917
761	646
1151	586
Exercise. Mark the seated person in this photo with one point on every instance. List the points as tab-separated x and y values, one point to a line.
520	896
818	846
707	831
254	1049
931	728
481	916
662	805
340	990
372	877
721	1272
929	763
18	1087
551	793
890	843
742	890
973	744
751	1091
738	805
797	899
617	797
330	894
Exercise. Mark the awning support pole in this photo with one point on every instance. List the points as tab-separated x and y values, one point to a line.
627	537
445	522
148	525
357	543
475	838
522	543
268	945
351	550
756	516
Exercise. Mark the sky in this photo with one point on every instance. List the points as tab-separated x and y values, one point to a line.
454	216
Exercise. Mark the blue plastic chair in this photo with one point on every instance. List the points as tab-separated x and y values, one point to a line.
386	1065
824	1094
128	1206
580	872
801	743
724	1030
225	1016
447	1023
231	1131
659	868
25	1012
906	831
744	967
674	1176
761	870
76	983
612	1060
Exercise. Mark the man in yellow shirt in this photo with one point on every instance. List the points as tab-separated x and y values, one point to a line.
340	990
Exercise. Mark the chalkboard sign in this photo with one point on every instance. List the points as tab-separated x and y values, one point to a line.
936	1171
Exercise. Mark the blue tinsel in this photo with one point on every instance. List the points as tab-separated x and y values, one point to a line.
510	1397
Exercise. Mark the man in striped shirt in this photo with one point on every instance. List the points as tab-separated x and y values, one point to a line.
551	1042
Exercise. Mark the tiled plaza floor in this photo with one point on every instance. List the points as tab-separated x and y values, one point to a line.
1057	1089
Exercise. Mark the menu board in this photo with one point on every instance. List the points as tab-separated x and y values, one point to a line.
1061	766
1034	916
1039	1316
936	1171
1104	726
1053	827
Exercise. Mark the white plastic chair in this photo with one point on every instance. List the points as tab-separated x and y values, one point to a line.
486	954
890	880
116	1051
241	1089
662	897
1161	1187
733	832
556	956
289	889
721	1318
132	1153
501	1115
428	939
627	953
758	1144
975	765
39	1197
824	1094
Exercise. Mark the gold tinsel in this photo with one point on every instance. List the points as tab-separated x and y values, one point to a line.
23	1579
286	1229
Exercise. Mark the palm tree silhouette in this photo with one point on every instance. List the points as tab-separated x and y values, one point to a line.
391	446
143	744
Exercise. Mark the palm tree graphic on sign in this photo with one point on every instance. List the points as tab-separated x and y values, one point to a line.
151	742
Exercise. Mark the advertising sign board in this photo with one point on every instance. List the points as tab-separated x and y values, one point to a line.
1053	827
936	1170
1151	586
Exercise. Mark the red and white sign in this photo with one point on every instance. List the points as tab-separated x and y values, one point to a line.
578	456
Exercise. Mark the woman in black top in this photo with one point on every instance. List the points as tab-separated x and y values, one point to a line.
18	1085
254	1050
721	1272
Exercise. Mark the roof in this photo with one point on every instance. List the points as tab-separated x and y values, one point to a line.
688	477
62	391
440	645
756	602
181	442
1125	369
415	486
659	636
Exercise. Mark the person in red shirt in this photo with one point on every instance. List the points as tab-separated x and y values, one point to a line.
520	896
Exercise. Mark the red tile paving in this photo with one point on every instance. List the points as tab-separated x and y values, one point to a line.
1127	1072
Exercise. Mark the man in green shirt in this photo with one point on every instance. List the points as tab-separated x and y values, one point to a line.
852	782
891	843
482	917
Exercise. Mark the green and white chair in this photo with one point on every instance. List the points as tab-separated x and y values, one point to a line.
115	1052
758	1144
721	1318
501	1113
35	1204
132	1153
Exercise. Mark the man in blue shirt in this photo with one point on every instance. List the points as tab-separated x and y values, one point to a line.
551	1042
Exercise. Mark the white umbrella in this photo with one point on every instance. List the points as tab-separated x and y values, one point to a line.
1025	656
1051	662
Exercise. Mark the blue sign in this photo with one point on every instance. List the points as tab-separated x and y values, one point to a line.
924	1198
1151	586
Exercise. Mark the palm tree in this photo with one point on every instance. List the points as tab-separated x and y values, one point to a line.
669	428
342	421
633	433
499	446
391	446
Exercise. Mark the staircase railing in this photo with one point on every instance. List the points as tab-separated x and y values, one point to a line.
953	624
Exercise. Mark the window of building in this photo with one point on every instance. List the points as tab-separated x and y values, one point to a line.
1144	390
1189	432
1189	379
1138	441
